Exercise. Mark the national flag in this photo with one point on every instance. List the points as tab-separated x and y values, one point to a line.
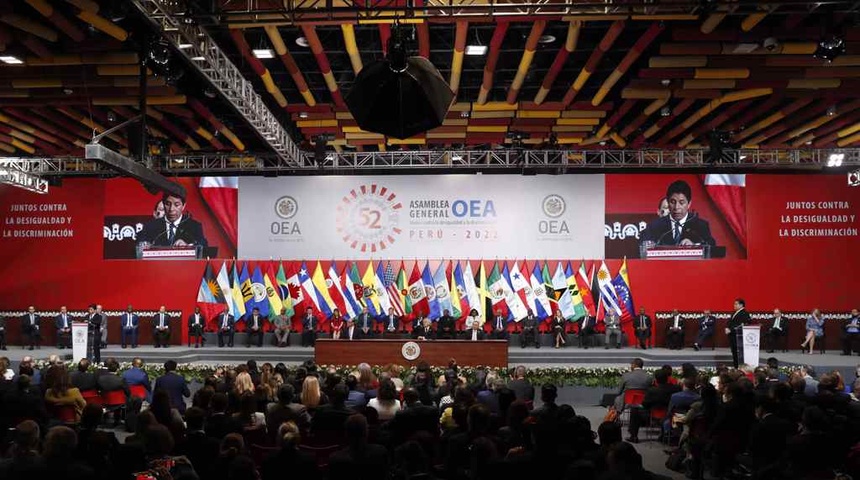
579	310
294	285
417	293
326	303
223	280
284	290
381	292
403	287
261	297
221	195
495	288
459	295
371	299
473	296
210	299
393	290
595	290
518	309
236	293
559	282
727	194
542	307
433	311
622	288
608	295
349	289
247	289
308	291
273	293
565	291
335	291
549	291
583	283
521	287
443	290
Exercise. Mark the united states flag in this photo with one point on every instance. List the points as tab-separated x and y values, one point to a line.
393	291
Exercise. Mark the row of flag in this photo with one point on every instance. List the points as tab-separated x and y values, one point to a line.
510	288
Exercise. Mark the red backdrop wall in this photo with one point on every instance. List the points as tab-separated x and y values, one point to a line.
795	274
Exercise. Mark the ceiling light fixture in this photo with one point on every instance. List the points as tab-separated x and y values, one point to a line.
303	114
665	82
10	60
198	58
831	110
835	160
184	46
829	48
464	114
263	53
68	91
456	157
302	42
546	39
665	112
476	50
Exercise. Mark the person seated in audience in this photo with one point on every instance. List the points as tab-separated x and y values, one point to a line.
635	379
62	393
360	459
84	379
311	396
522	388
768	437
248	416
355	398
60	446
24	460
814	330
199	447
548	412
680	402
413	418
289	458
730	429
23	401
656	397
95	445
160	461
385	403
110	381
136	375
219	423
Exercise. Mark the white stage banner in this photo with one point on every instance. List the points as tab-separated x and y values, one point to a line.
751	340
425	216
79	341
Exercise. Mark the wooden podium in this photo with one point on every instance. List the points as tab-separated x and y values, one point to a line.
487	353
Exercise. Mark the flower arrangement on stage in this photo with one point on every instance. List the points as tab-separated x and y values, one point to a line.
595	377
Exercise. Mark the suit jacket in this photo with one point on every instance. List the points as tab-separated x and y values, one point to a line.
176	389
137	376
28	325
191	321
523	389
369	462
249	322
706	324
218	425
279	413
695	229
110	382
587	322
530	322
783	324
364	320
446	323
95	323
671	322
155	232
504	324
387	320
311	323
156	319
330	418
2	324
58	321
414	418
739	319
612	323
467	334
220	321
422	331
84	381
637	379
123	320
659	396
637	322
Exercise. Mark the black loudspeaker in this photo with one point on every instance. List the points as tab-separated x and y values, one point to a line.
399	97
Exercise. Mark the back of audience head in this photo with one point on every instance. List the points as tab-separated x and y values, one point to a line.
339	394
289	435
232	445
548	393
26	437
60	444
91	417
661	377
195	418
609	433
158	441
356	429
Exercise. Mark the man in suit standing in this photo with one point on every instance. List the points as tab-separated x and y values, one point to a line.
675	331
63	322
255	328
586	330
129	325
475	333
529	334
176	228
635	379
643	328
31	327
613	327
225	329
446	326
195	327
310	325
500	327
175	386
365	323
740	318
391	324
161	328
706	329
94	322
778	329
680	227
103	329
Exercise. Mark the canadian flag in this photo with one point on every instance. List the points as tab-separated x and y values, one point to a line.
221	195
727	191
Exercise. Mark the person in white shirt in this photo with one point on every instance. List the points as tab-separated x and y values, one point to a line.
385	403
675	332
64	328
161	327
475	333
255	328
129	323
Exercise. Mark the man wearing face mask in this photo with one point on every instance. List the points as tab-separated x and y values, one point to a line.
176	228
680	226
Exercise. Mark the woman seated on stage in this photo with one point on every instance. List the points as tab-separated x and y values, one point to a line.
385	403
814	330
336	322
559	323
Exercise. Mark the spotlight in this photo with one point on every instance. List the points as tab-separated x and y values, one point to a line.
159	52
476	50
835	160
210	93
303	114
263	53
68	91
831	111
302	42
854	178
665	82
546	39
829	48
111	116
464	114
665	112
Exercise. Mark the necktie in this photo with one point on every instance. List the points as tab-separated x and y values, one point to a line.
127	320
161	322
224	322
642	320
364	321
498	323
474	335
676	236
311	322
676	322
255	322
172	233
391	323
65	322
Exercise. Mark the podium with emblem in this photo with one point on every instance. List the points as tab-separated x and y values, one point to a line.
80	342
488	353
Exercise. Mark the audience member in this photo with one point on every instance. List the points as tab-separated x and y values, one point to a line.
360	460
385	403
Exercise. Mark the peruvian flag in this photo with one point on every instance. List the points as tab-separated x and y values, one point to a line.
417	294
727	192
221	195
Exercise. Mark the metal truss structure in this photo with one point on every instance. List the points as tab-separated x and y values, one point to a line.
306	11
19	172
467	161
205	55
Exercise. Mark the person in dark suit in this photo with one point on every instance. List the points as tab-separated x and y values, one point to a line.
287	410
706	329
110	381
31	327
586	330
424	329
656	397
83	379
94	323
176	228
529	333
643	328
359	459
767	441
414	417
635	379
289	458
129	324
446	326
851	332
175	386
523	389
199	447
500	327
329	419
63	323
225	329
255	328
680	227
778	330
310	325
365	323
391	324
740	318
161	328
675	331
196	323
2	332
475	333
219	424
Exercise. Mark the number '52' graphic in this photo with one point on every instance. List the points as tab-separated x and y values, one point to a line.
370	218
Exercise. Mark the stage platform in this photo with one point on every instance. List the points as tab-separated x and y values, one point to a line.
543	357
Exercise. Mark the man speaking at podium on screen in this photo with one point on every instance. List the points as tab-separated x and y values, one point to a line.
680	227
176	228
